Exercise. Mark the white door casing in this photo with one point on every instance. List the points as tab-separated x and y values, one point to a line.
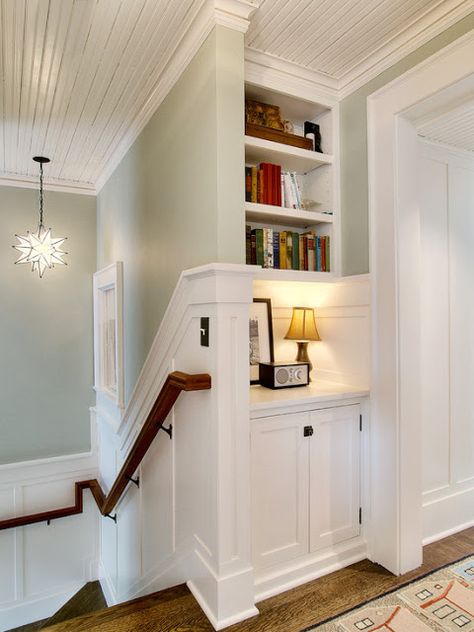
439	83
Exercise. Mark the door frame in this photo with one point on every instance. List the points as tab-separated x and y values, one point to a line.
434	86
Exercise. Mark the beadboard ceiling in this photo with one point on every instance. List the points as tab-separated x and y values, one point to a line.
80	78
339	37
455	128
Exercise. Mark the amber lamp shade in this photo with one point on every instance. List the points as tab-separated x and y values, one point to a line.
303	329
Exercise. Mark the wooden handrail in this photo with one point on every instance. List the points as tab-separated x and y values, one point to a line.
174	384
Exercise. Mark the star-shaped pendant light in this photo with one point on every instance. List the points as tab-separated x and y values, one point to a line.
39	248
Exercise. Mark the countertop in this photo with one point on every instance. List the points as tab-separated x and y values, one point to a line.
262	398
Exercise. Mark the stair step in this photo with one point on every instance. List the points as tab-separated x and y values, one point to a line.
172	609
87	600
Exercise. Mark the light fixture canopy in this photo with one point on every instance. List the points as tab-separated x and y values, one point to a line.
39	248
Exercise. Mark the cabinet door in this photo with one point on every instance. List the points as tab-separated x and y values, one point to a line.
279	454
334	476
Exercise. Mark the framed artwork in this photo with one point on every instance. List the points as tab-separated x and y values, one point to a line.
260	336
108	333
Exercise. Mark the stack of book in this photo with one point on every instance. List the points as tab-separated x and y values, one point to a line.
268	184
287	250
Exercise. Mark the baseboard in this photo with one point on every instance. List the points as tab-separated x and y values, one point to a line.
446	534
275	580
448	515
219	624
107	587
36	609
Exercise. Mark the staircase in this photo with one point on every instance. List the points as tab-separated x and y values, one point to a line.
171	609
88	599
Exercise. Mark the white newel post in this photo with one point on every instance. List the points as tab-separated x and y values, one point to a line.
224	582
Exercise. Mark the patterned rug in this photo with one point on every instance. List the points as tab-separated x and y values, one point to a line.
441	601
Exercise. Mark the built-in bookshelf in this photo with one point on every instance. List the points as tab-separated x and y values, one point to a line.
317	177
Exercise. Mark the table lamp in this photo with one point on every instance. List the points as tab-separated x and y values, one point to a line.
303	329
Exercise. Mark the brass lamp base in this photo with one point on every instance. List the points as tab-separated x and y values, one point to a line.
302	355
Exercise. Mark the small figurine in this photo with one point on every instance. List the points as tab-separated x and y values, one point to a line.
288	127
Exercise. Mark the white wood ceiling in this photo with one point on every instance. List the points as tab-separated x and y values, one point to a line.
79	78
334	37
76	74
454	128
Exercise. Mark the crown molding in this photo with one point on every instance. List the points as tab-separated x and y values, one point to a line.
61	186
425	29
235	14
284	76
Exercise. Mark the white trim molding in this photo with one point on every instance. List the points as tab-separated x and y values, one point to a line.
394	260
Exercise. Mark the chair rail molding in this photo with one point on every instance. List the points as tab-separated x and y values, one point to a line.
444	79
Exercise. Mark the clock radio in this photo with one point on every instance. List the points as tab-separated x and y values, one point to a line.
283	374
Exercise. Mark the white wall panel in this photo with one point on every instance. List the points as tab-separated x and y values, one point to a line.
447	337
435	343
461	236
343	320
42	566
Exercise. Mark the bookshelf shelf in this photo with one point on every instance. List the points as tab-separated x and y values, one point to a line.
271	274
290	158
277	215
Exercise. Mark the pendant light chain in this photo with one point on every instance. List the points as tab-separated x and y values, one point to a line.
41	195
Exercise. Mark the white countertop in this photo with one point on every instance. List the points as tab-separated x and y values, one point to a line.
262	398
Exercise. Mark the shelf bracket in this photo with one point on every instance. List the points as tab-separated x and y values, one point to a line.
169	430
135	481
114	517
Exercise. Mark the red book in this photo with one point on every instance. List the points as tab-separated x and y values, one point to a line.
278	185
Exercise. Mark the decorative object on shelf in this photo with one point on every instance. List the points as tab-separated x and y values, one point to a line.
303	329
263	114
260	336
311	131
288	127
39	248
275	135
277	375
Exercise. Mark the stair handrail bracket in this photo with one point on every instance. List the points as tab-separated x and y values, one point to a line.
174	384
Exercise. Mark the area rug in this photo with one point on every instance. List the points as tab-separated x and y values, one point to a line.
442	601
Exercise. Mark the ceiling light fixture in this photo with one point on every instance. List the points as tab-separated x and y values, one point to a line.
39	248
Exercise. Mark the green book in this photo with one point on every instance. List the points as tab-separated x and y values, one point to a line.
296	252
259	248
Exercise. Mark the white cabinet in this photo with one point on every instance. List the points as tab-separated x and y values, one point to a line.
334	475
305	482
280	488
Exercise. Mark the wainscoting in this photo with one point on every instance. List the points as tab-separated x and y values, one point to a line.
447	339
42	566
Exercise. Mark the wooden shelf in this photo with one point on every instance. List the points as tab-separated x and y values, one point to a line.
290	158
270	274
269	214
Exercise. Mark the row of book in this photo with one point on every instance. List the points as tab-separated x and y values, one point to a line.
287	250
268	184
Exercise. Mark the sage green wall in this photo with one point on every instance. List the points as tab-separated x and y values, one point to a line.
176	199
46	371
354	177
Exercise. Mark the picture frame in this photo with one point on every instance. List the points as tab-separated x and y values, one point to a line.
260	336
108	333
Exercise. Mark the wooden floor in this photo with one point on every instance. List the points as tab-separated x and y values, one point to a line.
175	610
